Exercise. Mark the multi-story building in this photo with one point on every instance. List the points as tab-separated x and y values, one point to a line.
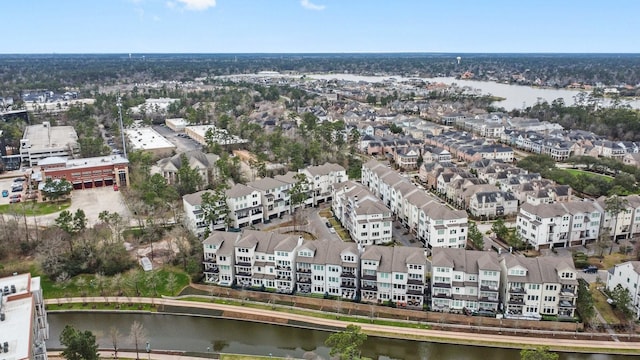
204	164
275	197
321	179
43	141
395	274
559	224
363	215
219	258
87	173
325	267
464	279
23	320
627	275
245	205
492	204
435	223
626	224
532	287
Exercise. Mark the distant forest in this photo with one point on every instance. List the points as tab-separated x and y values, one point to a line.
59	71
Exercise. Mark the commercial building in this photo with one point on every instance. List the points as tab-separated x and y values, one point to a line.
177	124
23	320
219	136
148	140
88	172
43	141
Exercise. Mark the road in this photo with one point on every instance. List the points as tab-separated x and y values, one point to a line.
508	341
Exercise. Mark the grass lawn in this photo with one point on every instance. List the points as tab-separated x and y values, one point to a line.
33	208
600	303
247	357
609	260
102	306
577	172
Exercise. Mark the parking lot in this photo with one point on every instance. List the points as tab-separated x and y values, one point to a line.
6	185
183	144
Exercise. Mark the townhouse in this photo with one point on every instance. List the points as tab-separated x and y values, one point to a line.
274	195
533	287
393	274
463	279
203	164
626	224
491	204
219	258
321	179
559	224
363	215
325	267
627	275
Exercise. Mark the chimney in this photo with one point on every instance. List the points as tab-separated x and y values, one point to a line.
355	201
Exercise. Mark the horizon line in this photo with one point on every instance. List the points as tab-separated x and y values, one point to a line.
323	53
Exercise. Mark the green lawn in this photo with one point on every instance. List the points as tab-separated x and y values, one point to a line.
600	303
577	172
33	208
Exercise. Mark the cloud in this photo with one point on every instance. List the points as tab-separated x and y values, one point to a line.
197	5
307	4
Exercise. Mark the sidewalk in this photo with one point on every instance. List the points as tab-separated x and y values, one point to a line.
132	355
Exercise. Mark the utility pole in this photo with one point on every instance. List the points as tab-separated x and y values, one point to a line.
124	144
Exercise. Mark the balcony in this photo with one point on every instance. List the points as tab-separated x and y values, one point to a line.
368	277
565	304
346	274
489	299
488	288
212	269
242	263
442	295
442	285
243	273
516	301
304	271
280	267
348	285
415	281
567	291
516	290
304	280
414	292
369	287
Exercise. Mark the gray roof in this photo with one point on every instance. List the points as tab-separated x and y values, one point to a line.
239	190
327	252
539	270
266	184
396	258
225	242
467	261
195	198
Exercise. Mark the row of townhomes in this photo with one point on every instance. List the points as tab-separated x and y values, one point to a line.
576	222
525	287
289	264
433	222
627	275
461	279
261	200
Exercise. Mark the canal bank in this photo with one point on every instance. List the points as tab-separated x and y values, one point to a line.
294	320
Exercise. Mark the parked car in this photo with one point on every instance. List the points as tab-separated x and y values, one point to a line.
13	201
17	189
19	179
15	196
5	193
328	224
591	269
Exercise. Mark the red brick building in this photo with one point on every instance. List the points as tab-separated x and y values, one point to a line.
88	172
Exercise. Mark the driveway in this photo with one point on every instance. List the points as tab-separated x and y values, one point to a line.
183	144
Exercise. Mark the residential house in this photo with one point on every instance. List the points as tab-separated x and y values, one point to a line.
627	275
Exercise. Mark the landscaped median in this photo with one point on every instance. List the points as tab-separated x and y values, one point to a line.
265	313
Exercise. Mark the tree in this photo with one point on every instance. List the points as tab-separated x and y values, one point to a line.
55	189
137	336
298	194
584	304
189	179
79	345
613	206
476	236
346	344
540	353
79	221
500	229
115	335
622	300
215	208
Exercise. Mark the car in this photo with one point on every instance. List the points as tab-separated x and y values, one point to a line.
591	269
328	224
15	196
13	201
17	189
19	179
5	193
332	230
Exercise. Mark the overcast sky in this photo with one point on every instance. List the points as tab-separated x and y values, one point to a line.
315	26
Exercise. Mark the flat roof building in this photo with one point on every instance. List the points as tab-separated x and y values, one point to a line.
43	141
147	139
88	172
23	321
220	136
177	124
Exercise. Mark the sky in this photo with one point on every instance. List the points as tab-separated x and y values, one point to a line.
320	26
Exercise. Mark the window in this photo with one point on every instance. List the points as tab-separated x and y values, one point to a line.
399	276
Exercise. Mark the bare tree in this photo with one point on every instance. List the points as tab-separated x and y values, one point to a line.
115	340
137	336
172	282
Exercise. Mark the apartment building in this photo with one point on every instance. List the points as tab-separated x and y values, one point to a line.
24	328
627	275
363	215
325	267
245	205
532	287
321	179
492	204
274	195
219	258
395	274
626	224
463	279
559	224
435	223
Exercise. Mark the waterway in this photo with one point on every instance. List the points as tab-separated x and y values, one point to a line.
200	334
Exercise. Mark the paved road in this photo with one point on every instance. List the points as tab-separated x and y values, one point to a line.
592	346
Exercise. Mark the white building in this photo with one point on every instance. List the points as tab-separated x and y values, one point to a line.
532	287
275	197
245	205
627	275
23	321
465	279
219	256
218	135
148	140
395	274
321	179
327	267
627	222
363	215
204	164
43	141
559	224
176	124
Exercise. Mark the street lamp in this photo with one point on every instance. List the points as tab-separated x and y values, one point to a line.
148	351
124	145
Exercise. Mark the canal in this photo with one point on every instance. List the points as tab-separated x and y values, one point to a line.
200	334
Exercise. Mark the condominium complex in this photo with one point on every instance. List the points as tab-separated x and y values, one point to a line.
23	320
433	222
